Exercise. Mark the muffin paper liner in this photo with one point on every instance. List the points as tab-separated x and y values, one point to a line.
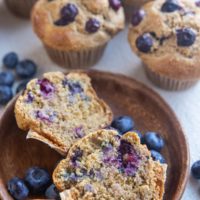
76	59
168	83
21	8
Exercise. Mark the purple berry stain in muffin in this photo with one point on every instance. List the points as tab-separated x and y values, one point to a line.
128	158
47	116
79	132
30	97
76	157
74	87
46	87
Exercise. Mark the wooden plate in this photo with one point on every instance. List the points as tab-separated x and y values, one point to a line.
126	97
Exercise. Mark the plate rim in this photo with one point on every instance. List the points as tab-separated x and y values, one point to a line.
184	176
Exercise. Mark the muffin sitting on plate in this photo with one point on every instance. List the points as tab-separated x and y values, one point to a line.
165	34
75	32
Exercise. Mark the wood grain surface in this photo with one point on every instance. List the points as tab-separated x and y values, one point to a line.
126	97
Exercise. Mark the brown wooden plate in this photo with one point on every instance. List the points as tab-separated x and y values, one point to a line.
126	97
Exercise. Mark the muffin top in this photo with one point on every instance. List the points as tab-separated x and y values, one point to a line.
165	34
77	24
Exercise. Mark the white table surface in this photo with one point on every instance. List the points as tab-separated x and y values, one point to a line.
16	35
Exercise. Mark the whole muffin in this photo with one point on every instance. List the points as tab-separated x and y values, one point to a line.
75	32
21	8
165	34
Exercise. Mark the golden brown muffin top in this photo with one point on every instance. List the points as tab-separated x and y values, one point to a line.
77	24
166	36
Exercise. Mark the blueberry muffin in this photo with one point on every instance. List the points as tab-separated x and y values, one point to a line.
169	47
21	8
60	109
105	165
75	32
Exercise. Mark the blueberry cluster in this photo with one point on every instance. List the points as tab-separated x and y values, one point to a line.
152	140
24	69
70	11
37	181
185	37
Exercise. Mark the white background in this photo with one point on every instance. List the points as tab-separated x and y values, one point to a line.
16	35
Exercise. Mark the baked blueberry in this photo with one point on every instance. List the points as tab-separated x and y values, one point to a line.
123	124
185	37
196	169
137	17
21	86
92	25
17	188
144	43
157	156
115	4
37	180
46	87
6	78
153	141
52	192
26	69
6	94
10	60
170	6
68	14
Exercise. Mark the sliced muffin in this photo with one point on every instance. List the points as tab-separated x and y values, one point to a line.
105	165
60	109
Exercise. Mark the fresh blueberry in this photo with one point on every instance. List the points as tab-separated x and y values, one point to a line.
6	94
115	4
68	14
17	188
170	6
123	124
92	25
157	156
153	141
10	60
144	43
37	180
52	192
21	86
26	69
6	78
185	37
196	169
137	17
